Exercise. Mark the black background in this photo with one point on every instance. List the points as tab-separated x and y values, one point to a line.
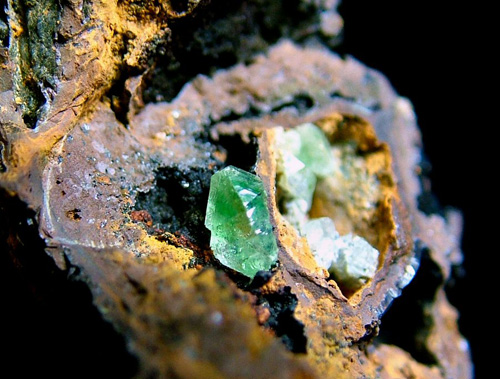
438	55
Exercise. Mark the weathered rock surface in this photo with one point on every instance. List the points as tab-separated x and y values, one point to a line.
120	188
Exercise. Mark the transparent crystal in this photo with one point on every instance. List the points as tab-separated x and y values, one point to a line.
237	215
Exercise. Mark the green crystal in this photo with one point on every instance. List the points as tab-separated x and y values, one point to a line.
315	150
304	156
237	215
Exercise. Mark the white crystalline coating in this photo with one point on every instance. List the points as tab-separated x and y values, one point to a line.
355	262
321	235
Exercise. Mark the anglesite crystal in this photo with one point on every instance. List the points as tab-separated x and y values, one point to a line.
237	215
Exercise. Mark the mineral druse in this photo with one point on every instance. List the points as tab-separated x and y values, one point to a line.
307	163
303	156
237	215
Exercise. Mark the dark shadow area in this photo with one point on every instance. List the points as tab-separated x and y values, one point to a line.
222	34
282	306
178	201
417	45
239	153
406	323
4	24
49	324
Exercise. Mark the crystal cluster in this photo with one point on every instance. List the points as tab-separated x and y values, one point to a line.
306	161
237	215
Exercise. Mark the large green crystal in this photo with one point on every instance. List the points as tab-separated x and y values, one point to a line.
237	215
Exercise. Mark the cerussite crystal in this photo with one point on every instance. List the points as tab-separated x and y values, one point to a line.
237	215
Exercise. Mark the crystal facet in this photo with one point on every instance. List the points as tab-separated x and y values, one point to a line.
355	262
297	180
315	150
237	215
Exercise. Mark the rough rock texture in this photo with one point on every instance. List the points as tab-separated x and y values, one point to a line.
120	187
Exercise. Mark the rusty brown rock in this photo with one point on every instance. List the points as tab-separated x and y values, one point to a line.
125	205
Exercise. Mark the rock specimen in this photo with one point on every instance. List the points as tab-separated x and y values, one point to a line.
241	233
113	147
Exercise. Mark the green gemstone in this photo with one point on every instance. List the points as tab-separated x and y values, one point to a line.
237	215
315	150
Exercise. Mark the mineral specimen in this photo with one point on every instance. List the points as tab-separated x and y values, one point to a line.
114	162
237	215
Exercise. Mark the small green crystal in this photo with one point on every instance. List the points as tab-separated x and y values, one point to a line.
315	150
304	156
237	215
295	180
